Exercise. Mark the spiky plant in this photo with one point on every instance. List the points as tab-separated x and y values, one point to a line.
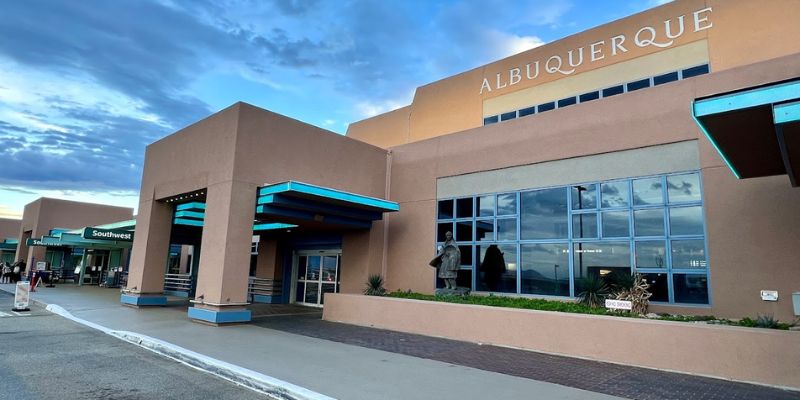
594	292
637	294
375	286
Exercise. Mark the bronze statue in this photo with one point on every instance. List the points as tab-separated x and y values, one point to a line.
447	261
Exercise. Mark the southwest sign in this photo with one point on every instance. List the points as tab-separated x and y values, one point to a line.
116	235
39	242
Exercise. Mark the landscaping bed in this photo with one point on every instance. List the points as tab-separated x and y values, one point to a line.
762	321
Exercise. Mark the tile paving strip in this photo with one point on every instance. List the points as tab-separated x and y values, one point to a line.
595	376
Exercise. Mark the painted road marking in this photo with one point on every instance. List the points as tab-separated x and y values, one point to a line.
20	314
5	314
2	314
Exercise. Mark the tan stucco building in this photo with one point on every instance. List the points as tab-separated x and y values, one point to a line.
45	216
9	229
616	150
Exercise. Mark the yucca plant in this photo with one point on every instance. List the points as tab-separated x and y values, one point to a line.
594	292
637	294
375	286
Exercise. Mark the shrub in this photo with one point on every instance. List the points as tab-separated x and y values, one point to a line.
636	293
375	286
594	292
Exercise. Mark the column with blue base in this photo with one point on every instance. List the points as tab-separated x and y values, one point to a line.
223	273
217	315
139	300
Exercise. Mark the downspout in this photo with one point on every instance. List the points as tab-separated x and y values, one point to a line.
387	195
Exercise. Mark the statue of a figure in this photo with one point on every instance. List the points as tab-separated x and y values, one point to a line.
447	261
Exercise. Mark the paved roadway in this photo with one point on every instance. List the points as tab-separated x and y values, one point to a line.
44	356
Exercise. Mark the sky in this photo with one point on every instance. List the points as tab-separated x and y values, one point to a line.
86	85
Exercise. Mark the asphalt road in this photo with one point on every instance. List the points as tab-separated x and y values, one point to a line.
44	356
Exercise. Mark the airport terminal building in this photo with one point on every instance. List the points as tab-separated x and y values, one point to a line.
666	143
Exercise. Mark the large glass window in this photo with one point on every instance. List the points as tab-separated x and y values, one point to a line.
546	241
544	214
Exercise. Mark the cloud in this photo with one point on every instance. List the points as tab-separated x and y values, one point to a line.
8	212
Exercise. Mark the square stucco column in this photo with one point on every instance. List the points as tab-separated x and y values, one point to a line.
35	254
149	255
225	256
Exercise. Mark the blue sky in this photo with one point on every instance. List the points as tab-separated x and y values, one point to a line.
86	85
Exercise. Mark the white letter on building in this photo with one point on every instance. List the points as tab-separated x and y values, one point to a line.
651	41
486	86
698	20
553	69
514	76
498	83
528	71
668	28
617	45
595	51
580	61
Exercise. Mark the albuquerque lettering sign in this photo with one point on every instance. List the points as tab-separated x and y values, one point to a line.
108	234
660	36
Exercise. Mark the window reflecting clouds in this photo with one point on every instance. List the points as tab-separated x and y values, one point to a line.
683	188
648	191
614	194
605	230
544	214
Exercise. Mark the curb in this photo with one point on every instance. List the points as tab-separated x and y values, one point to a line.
250	379
265	384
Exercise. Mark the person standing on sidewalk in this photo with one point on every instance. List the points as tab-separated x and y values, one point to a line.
5	273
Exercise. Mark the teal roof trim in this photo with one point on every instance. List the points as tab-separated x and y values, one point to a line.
714	142
305	188
748	98
785	113
191	206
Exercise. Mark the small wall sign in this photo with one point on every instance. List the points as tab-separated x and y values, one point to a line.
619	304
769	295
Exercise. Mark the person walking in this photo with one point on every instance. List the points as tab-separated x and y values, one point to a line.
5	276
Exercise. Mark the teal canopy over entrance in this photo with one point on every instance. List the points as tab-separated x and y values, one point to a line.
304	205
755	130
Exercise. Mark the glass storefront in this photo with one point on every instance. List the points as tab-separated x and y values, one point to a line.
545	241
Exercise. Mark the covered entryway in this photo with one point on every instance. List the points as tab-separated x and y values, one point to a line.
315	273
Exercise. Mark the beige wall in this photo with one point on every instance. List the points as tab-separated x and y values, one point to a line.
763	356
9	228
743	32
740	246
44	214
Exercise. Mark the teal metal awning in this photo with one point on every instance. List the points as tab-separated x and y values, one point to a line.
755	130
116	235
303	204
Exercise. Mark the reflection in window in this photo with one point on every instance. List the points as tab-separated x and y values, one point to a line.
584	225
466	255
545	269
445	209
688	254
615	223
484	230
506	204
485	206
648	222
584	196
464	208
651	254
690	288
614	194
683	188
648	191
600	260
658	286
544	214
463	231
686	221
498	268
507	229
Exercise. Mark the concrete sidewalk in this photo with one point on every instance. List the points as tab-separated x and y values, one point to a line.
334	369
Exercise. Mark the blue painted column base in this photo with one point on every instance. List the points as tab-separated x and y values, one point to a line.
219	317
143	300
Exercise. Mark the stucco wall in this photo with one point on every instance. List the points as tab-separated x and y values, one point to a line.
746	354
752	225
9	228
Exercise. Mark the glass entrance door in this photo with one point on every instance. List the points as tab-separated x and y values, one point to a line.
316	273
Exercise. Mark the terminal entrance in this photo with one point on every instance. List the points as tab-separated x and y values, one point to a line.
315	273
